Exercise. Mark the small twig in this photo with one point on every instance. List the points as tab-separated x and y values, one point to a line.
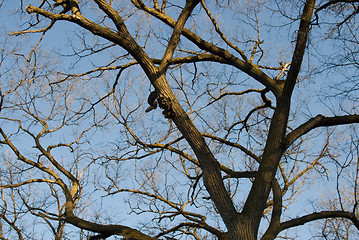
34	31
284	68
108	94
221	34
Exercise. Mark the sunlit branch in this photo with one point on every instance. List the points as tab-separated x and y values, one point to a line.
122	37
37	165
50	157
26	182
164	3
52	16
12	224
283	69
155	3
174	166
35	31
307	169
100	69
254	50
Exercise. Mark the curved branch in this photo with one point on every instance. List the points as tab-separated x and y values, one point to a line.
236	145
26	182
59	181
247	67
320	215
115	17
233	94
108	230
220	235
12	224
177	29
122	37
319	121
34	31
326	5
221	33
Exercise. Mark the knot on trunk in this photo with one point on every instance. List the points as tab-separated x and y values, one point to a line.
166	105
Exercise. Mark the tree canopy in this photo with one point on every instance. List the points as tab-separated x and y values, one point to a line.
147	119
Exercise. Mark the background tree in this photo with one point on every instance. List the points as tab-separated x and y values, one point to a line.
254	136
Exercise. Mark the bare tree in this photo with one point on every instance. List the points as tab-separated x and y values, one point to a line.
180	120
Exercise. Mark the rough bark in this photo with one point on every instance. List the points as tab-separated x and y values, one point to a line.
275	143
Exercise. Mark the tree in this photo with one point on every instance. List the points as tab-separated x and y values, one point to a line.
246	133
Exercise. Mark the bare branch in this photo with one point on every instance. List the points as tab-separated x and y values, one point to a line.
236	145
177	30
320	215
221	33
300	46
249	68
319	121
127	232
26	182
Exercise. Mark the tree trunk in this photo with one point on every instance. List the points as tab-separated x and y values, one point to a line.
243	230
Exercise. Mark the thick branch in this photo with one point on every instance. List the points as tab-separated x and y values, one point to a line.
211	171
115	17
127	232
122	38
274	149
332	2
220	235
299	50
247	67
319	121
273	228
177	30
320	215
